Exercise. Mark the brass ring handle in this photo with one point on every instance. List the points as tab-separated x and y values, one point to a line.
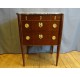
26	25
54	25
53	37
27	37
40	24
40	36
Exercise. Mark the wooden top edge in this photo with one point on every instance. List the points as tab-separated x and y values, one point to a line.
39	13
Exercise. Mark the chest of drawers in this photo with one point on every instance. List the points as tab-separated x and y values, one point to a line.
40	29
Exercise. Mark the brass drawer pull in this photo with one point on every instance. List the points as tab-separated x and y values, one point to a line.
53	37
54	25
40	24
27	37
26	17
26	25
40	36
40	17
54	17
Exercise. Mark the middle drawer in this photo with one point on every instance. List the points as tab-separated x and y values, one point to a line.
28	26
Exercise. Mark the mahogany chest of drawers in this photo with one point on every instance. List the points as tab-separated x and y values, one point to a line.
40	29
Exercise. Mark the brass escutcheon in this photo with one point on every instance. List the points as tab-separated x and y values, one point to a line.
40	36
40	24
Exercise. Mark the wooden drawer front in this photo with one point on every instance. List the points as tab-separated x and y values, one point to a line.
46	38
35	17
55	17
40	38
28	26
30	17
35	26
45	17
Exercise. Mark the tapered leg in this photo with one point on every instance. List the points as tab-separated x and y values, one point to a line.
23	55
51	49
57	56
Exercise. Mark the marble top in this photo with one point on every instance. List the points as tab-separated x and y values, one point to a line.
39	13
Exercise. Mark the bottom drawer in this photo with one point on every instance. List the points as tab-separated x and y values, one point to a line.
42	38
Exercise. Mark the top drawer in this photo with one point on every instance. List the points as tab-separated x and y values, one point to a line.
56	17
35	17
